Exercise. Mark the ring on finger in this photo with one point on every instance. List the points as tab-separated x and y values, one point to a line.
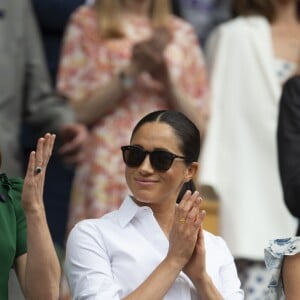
182	220
38	170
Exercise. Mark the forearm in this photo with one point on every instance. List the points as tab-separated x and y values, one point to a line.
42	273
103	98
183	103
156	286
206	289
100	102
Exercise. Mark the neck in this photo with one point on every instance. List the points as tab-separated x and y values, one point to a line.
165	222
137	8
164	215
287	13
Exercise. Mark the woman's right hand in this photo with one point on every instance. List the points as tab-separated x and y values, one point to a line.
186	226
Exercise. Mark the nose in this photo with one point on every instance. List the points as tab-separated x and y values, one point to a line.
146	166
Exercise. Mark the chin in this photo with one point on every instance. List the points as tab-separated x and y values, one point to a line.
143	198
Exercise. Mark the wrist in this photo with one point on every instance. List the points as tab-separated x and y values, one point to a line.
127	77
126	80
36	210
201	280
175	263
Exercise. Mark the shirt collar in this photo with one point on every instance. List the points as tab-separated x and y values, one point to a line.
129	210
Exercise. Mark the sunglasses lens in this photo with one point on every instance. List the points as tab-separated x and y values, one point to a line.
161	160
133	156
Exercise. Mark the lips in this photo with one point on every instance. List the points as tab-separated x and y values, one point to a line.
145	181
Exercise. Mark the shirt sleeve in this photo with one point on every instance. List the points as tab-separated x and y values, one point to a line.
231	284
87	265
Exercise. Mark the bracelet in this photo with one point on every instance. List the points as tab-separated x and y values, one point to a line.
127	81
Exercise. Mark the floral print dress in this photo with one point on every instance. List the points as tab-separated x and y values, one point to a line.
89	62
274	255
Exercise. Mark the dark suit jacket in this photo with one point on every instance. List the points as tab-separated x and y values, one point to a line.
52	28
288	137
25	89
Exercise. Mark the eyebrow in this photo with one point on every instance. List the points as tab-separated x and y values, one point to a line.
155	149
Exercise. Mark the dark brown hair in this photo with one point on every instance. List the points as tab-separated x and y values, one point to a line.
266	8
188	138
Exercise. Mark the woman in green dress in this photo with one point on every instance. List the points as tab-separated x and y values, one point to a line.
25	241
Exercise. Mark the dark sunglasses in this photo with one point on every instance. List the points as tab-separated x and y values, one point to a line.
161	160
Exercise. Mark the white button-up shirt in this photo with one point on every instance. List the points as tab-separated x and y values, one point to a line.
108	258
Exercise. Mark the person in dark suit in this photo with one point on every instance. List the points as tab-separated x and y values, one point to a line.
288	138
59	174
52	29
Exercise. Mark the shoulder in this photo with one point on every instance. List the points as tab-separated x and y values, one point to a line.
216	244
180	25
179	22
293	84
240	26
95	228
82	23
11	188
212	238
290	95
286	246
274	255
82	14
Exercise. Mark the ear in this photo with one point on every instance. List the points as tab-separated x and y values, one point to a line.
191	171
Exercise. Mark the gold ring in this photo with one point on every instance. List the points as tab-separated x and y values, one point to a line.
182	220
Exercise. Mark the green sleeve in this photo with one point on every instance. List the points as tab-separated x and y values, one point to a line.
21	229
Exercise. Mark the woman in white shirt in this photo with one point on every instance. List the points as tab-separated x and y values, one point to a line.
151	247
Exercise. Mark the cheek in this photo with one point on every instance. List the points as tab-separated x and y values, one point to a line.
129	176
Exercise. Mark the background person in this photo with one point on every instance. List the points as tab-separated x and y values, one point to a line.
59	174
26	94
288	139
249	58
152	248
282	259
121	60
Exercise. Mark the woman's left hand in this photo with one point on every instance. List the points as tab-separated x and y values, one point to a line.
195	269
32	195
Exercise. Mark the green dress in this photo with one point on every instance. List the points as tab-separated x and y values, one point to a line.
12	228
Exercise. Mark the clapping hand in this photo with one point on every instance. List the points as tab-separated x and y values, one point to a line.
73	137
148	54
186	239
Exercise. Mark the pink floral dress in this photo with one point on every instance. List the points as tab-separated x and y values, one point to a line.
88	62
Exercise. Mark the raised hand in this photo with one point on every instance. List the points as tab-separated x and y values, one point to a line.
32	195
